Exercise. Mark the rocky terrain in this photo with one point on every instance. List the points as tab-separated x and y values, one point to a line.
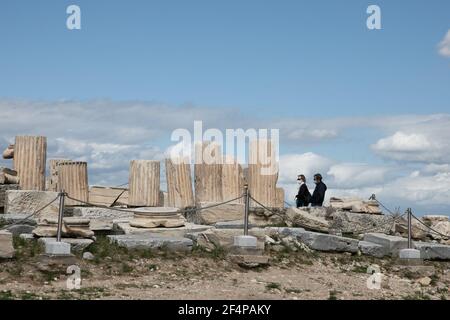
112	272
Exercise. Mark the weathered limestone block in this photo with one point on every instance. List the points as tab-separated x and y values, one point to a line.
355	223
121	226
433	251
6	245
30	154
419	232
224	238
179	183
144	183
101	225
391	244
209	216
147	242
101	213
372	249
108	196
262	217
18	218
432	219
208	172
297	217
263	172
355	205
283	231
443	227
71	227
326	242
27	202
3	189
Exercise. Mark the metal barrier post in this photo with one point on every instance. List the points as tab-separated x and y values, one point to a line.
409	213
62	195
247	205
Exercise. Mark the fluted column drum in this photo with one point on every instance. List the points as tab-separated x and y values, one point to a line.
52	179
144	183
30	155
179	183
232	180
208	172
263	172
73	179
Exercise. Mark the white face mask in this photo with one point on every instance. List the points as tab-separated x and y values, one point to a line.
299	182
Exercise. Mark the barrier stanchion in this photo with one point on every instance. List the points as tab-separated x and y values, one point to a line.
62	195
246	210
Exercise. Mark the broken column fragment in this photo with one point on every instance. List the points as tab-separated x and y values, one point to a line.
263	172
29	161
208	172
144	183
73	179
232	180
179	183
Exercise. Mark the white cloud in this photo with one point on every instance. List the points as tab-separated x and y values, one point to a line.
423	145
444	45
355	175
308	164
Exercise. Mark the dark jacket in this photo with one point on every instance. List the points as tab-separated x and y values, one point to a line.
318	194
303	194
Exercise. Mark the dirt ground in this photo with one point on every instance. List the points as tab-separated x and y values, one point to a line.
116	273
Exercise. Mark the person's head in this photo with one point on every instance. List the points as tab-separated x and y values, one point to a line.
301	178
317	178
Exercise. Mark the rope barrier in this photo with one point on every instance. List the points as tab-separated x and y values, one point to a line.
134	211
211	206
29	216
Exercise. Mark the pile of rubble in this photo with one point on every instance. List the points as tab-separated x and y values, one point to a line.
355	205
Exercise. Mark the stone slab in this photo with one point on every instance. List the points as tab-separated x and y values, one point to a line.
392	244
3	189
433	251
283	231
372	249
234	224
18	229
356	223
121	226
146	241
27	202
18	218
326	242
100	213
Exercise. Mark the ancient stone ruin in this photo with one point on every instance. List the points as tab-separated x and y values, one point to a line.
203	206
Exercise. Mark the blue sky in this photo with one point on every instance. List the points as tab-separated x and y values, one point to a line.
313	63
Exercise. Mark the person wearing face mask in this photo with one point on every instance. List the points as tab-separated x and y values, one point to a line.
303	196
319	192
